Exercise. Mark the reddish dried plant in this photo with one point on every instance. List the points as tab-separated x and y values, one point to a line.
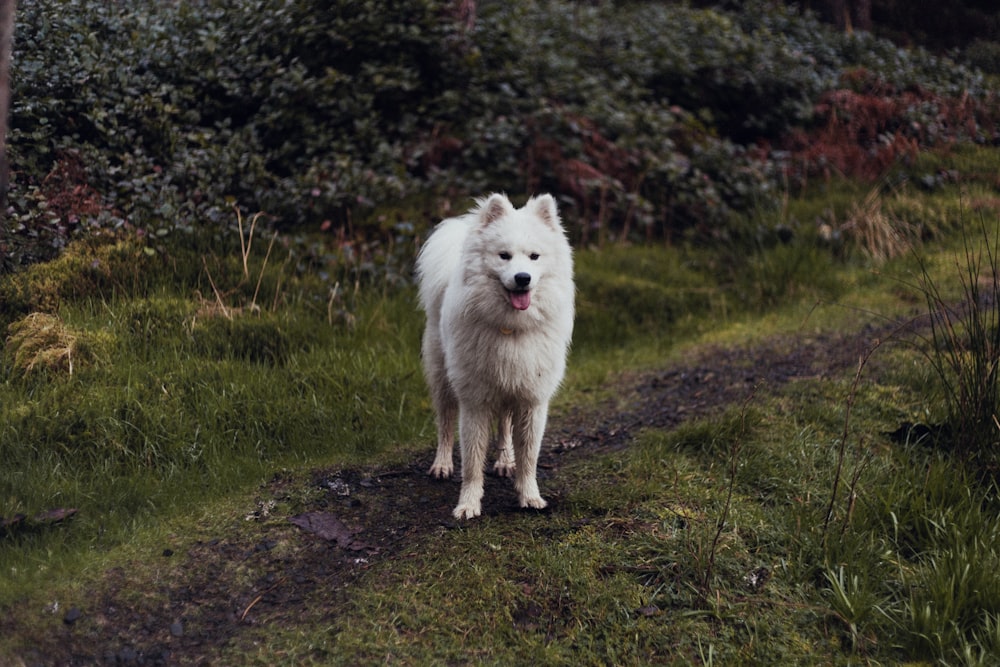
592	179
67	192
866	126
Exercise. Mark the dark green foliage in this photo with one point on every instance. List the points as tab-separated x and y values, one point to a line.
647	119
938	25
985	55
298	108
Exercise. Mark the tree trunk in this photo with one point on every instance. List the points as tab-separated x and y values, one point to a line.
7	9
861	14
847	15
465	12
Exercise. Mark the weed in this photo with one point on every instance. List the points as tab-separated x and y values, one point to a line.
842	454
856	601
246	247
964	345
735	449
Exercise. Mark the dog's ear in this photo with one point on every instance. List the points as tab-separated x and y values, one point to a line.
494	208
544	206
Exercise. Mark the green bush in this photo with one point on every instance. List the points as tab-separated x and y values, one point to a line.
985	55
648	119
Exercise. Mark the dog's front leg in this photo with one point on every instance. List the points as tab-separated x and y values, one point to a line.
529	426
474	438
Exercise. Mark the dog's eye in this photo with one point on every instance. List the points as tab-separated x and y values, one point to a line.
505	256
533	256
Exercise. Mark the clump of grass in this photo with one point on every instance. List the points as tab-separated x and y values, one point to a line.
935	527
964	345
42	341
219	305
855	600
878	235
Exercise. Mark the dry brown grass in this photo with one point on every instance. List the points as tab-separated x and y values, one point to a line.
41	341
877	234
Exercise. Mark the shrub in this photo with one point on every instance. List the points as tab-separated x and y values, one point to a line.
985	55
297	107
649	119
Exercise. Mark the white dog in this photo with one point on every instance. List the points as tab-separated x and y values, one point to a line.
497	287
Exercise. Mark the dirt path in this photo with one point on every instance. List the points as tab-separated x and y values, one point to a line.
263	572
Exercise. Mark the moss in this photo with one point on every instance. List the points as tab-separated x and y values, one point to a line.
98	267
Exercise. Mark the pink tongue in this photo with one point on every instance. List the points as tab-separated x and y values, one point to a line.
520	300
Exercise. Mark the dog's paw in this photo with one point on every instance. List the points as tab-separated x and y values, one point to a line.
534	502
441	470
467	511
504	468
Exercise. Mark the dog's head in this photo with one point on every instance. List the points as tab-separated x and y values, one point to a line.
519	246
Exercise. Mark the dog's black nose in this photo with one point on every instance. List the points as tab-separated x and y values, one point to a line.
522	279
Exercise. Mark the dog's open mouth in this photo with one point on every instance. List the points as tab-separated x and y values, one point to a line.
520	299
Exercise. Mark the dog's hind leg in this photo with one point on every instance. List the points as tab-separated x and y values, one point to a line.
529	426
505	465
445	403
447	411
474	439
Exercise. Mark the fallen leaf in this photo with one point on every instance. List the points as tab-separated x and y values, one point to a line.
325	526
54	516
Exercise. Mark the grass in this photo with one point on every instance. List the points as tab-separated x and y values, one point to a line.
704	544
186	404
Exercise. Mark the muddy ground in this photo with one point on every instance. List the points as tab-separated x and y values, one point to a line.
263	571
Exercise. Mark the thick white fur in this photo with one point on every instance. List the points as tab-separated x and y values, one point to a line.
487	362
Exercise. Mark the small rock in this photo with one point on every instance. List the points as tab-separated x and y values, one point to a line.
266	545
177	629
757	579
338	486
72	616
